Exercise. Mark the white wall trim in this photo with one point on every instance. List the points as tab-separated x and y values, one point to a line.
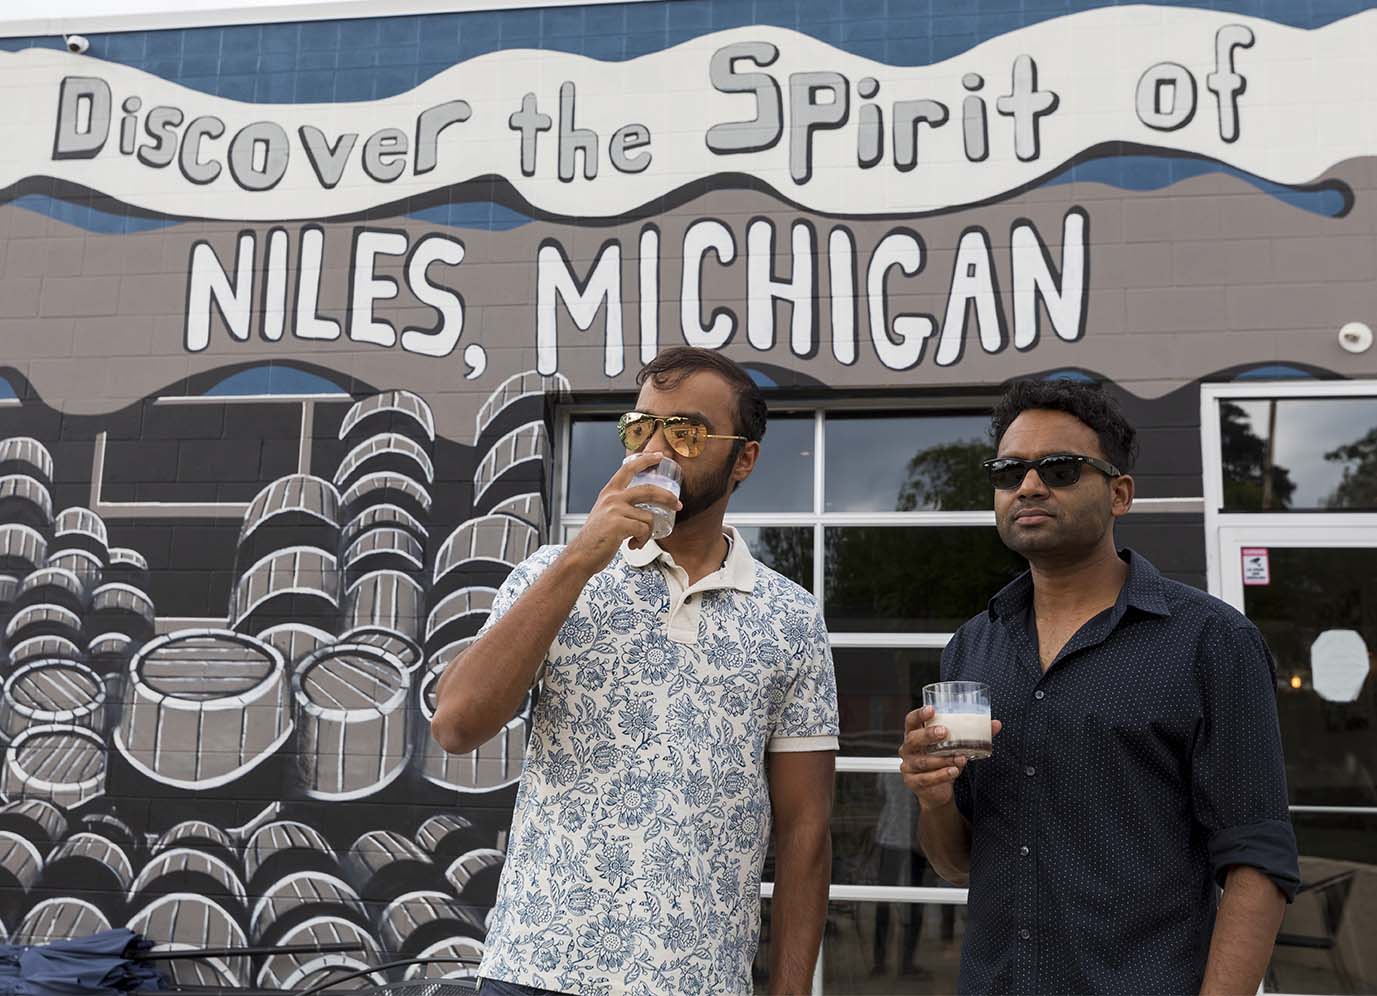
34	17
1181	505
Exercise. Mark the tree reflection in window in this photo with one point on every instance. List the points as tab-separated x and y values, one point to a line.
906	462
924	579
1251	478
786	549
948	476
1357	487
1301	453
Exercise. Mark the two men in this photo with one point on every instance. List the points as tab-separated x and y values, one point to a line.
688	704
1139	765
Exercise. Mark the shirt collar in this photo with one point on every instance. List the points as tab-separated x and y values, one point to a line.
739	572
1143	590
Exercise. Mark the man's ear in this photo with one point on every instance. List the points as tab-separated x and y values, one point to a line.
745	461
1120	495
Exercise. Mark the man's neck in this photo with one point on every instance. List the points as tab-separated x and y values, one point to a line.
1077	585
698	546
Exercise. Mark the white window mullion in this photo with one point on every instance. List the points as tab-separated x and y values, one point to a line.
936	641
939	894
819	496
1212	463
872	765
564	432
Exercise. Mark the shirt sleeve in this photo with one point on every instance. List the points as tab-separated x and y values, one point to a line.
807	719
950	670
1238	777
521	578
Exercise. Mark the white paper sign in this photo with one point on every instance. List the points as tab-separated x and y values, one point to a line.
1339	664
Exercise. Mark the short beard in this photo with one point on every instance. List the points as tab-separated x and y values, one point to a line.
1067	541
696	499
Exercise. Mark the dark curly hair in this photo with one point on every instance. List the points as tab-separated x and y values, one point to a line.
1087	402
672	365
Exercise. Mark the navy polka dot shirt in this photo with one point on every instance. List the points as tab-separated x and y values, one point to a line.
1126	781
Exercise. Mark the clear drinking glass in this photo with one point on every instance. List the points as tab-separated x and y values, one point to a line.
665	475
963	707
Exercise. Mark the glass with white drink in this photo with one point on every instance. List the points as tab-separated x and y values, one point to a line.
664	475
963	707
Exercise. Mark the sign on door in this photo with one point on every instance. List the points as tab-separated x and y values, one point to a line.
1256	570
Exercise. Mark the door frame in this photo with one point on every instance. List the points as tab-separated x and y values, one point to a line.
1227	533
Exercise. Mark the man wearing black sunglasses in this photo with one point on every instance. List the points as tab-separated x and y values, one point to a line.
687	704
1138	759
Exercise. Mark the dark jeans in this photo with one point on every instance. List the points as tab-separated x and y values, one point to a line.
500	987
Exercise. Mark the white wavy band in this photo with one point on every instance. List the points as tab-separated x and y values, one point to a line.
828	130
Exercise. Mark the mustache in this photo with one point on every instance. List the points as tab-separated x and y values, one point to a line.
1022	507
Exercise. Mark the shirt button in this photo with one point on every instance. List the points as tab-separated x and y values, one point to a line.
1023	850
1025	933
1030	771
1039	694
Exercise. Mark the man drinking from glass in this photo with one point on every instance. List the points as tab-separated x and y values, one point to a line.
687	704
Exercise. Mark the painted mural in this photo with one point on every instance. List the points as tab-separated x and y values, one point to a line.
285	312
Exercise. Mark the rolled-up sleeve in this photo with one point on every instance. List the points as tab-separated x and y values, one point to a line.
1238	777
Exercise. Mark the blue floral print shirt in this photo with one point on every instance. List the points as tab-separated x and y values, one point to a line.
643	813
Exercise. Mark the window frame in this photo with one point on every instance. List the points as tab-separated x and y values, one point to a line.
1212	465
1227	532
818	520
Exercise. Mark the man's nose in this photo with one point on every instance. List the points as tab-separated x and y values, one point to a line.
658	443
1032	483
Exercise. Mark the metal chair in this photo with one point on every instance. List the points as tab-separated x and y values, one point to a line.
1332	893
405	987
423	987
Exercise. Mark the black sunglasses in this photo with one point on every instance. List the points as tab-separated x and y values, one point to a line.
1060	470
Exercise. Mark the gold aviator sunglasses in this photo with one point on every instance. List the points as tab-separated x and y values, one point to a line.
686	435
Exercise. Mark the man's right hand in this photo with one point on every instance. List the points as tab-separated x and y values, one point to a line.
928	777
615	517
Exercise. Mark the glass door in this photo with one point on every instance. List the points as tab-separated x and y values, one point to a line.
1312	591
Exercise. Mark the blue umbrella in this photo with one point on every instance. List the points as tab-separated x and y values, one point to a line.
101	964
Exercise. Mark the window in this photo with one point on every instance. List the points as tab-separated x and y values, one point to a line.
902	463
886	516
1285	454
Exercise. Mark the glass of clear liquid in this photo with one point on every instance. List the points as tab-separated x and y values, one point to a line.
667	476
963	707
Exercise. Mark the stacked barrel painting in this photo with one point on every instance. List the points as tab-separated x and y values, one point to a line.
269	779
